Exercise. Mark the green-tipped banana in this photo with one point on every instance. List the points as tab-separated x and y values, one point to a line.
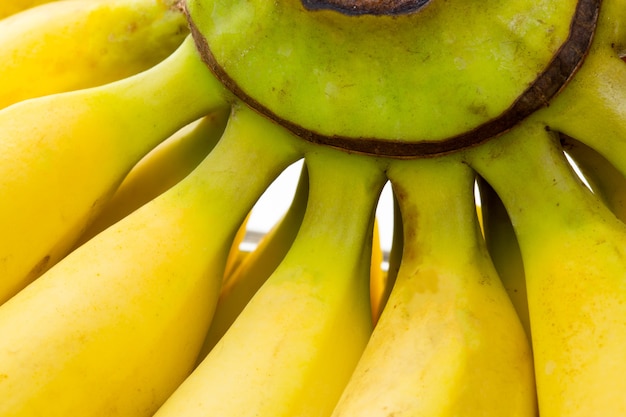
74	44
114	327
162	168
62	156
448	342
504	250
574	254
241	285
294	346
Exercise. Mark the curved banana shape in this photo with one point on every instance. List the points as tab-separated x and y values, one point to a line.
605	180
73	44
114	327
294	346
163	167
448	342
504	250
574	254
68	152
240	286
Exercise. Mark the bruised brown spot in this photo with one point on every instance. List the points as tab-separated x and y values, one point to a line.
40	267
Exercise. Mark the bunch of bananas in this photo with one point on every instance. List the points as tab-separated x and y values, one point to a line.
136	137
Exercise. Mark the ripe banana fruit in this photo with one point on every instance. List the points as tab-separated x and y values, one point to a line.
294	346
241	285
114	327
574	254
504	250
10	7
71	160
163	167
448	342
73	44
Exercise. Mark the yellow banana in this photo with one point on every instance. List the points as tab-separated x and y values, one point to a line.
605	180
382	290
10	7
163	167
72	44
241	285
292	349
574	254
115	326
504	250
62	156
236	255
378	277
448	342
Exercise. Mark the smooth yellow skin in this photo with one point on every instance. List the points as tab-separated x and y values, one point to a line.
72	44
113	328
448	342
241	285
293	347
378	277
504	250
10	7
163	167
574	254
62	156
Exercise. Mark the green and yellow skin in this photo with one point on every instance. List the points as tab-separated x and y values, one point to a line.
574	254
448	342
245	280
293	348
68	152
504	250
116	326
163	167
73	44
605	180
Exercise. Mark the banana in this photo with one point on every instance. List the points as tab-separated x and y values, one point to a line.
114	327
448	342
293	347
241	285
380	294
163	167
378	277
10	7
504	250
63	155
574	254
605	180
74	44
236	255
